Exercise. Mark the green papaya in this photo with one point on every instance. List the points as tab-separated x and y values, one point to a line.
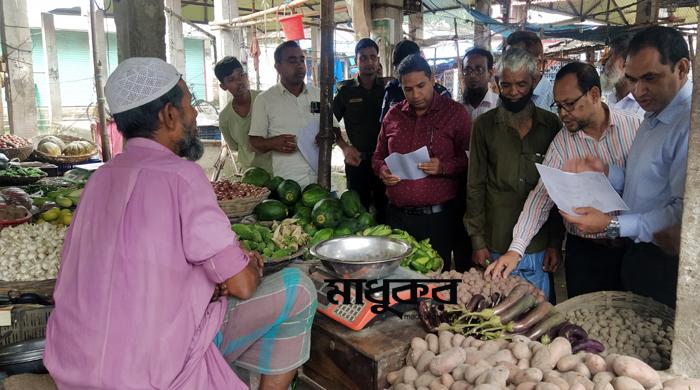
352	207
255	176
270	209
273	183
366	219
289	192
313	195
327	213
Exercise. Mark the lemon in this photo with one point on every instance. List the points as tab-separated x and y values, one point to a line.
51	214
67	219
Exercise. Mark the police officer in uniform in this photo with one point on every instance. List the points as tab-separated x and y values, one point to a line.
359	103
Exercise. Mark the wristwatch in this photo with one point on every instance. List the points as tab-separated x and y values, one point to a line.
613	229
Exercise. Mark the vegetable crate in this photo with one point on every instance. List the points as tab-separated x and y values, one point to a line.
28	322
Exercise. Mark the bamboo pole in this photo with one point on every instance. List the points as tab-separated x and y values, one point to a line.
282	7
326	82
99	89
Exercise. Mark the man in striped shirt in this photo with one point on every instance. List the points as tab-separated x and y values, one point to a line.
592	129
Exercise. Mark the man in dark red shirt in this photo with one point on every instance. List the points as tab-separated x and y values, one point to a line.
424	207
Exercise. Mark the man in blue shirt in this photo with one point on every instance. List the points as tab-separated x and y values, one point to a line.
653	182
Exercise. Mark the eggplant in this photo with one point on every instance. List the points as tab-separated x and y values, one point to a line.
496	298
554	319
483	304
588	345
522	305
573	333
474	302
516	293
427	313
532	317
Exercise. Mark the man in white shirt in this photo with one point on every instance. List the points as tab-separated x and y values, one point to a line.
478	71
618	89
281	112
529	41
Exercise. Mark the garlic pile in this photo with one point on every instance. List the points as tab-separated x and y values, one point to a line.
30	251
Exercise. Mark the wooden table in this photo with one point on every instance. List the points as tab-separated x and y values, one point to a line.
344	359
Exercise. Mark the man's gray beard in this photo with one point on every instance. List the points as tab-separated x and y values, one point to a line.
190	147
608	82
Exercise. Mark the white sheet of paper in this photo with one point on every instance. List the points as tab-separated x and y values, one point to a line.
405	166
306	142
585	189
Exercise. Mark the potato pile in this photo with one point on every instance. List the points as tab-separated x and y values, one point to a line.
473	283
625	331
453	362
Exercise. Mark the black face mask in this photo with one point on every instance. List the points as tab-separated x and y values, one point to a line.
518	105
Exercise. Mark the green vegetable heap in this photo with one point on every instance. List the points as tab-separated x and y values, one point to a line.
15	171
423	258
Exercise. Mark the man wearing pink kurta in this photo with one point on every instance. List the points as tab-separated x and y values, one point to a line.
147	248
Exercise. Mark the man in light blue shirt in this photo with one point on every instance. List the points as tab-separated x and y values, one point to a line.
653	182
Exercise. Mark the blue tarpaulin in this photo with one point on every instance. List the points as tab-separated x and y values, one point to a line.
582	33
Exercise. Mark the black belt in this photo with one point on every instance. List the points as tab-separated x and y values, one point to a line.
610	242
426	210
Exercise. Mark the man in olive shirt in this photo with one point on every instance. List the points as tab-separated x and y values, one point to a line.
359	103
505	145
234	120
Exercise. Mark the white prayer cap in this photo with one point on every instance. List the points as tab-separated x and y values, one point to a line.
137	81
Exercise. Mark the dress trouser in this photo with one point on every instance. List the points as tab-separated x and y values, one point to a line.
438	227
462	246
370	188
592	265
649	271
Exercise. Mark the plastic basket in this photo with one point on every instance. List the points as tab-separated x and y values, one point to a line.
292	27
28	322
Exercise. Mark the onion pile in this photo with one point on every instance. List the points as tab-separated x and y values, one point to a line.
227	190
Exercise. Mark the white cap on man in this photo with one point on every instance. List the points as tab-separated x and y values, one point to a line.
137	81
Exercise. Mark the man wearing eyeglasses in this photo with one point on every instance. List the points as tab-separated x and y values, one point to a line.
592	129
505	145
652	182
478	71
234	120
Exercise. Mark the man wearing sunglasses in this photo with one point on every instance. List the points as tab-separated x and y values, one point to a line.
505	145
592	129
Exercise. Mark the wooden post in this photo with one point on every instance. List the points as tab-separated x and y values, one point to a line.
415	26
48	39
17	52
315	50
140	28
684	355
361	14
175	40
99	87
647	12
326	127
226	39
482	35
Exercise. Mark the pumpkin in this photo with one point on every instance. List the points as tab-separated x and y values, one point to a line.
53	139
49	148
78	148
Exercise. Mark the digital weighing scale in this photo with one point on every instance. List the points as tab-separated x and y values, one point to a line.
357	316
